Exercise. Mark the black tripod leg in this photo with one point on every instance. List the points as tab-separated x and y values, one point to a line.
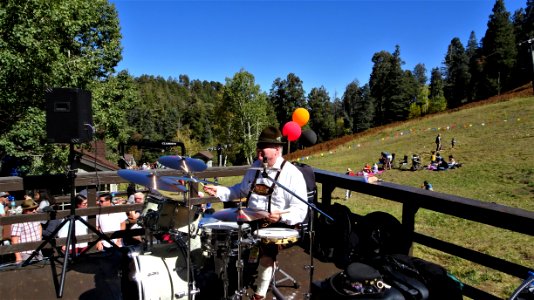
66	258
43	244
101	236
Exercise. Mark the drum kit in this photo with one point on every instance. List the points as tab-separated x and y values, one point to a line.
187	255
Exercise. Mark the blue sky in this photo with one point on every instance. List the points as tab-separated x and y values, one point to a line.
325	43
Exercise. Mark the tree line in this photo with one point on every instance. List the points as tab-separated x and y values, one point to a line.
76	43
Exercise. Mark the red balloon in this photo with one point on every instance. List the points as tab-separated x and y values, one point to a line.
292	131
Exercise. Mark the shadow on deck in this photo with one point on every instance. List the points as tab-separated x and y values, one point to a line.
97	276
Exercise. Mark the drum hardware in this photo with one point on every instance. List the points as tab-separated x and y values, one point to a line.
240	214
151	180
186	164
165	216
312	208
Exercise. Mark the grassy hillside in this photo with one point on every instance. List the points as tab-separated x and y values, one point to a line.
495	143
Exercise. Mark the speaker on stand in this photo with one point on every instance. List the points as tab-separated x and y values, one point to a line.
69	117
69	120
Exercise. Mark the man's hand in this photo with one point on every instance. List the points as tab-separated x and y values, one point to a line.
275	216
211	190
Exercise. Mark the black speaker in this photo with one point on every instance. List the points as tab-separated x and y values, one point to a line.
69	116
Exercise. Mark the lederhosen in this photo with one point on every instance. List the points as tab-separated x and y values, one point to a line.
270	250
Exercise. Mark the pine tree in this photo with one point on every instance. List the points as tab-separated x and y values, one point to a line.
499	52
456	73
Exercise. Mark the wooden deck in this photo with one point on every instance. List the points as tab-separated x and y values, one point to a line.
98	276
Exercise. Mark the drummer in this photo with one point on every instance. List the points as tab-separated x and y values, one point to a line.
284	209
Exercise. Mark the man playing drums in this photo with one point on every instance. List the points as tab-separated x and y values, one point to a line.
284	210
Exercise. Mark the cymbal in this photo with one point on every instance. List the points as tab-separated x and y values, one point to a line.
244	215
186	164
175	179
151	180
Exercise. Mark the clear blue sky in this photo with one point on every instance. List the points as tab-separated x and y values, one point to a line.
325	43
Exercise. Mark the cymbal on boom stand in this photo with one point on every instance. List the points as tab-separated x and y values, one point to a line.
186	164
150	180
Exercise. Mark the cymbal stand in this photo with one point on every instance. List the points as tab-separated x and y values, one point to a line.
191	289
241	291
311	237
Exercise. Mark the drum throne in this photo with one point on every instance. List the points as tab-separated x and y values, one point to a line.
306	240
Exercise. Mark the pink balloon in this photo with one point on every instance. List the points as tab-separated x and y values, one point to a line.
292	131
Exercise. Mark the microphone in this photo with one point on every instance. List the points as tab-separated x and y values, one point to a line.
264	173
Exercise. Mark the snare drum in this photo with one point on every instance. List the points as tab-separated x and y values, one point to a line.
222	236
159	274
276	235
162	215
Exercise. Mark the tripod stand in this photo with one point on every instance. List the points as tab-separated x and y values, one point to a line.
71	220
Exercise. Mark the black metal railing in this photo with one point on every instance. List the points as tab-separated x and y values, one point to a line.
412	199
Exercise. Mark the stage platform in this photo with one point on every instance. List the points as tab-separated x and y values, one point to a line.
97	276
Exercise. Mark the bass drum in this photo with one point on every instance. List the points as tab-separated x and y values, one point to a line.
159	274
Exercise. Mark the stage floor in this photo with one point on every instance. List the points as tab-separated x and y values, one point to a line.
97	276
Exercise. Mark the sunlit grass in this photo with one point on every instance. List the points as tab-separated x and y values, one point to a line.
495	143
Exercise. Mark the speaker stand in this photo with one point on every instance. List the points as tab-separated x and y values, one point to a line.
71	219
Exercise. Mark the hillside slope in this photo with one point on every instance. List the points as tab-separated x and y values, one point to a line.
495	143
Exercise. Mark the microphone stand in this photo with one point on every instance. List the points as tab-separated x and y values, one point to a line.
311	208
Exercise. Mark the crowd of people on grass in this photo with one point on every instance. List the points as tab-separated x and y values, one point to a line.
43	201
386	161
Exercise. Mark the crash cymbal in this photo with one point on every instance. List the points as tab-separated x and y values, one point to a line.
150	180
186	164
235	214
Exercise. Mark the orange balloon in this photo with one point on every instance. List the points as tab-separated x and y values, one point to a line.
301	116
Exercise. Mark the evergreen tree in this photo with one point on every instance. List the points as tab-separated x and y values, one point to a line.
436	99
475	67
322	122
524	33
378	83
419	72
456	73
364	110
350	98
499	51
286	96
386	84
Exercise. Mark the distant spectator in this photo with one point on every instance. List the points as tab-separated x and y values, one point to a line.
44	198
453	164
4	203
375	168
427	186
130	191
131	222
349	192
80	228
27	231
453	142
108	222
438	142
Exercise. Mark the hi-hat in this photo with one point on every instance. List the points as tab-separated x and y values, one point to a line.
151	180
243	214
186	164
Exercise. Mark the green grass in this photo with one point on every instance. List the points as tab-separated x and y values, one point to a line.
495	143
